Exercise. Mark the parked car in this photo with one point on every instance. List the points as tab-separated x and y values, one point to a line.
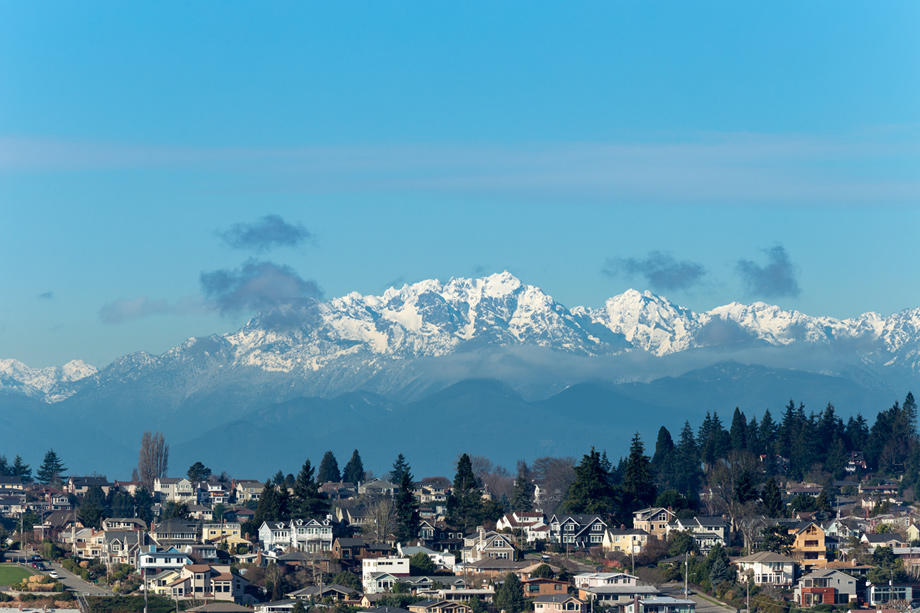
54	575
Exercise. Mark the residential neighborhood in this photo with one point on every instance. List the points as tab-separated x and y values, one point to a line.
751	532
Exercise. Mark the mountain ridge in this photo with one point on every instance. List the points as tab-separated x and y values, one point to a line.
389	341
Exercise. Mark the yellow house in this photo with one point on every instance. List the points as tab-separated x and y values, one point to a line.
159	584
229	532
625	541
913	533
809	548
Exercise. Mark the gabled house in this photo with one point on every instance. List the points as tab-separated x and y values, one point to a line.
78	486
653	520
843	529
439	606
208	581
584	580
274	535
827	587
172	489
557	603
578	531
886	539
311	535
377	487
487	545
809	548
123	546
154	560
334	592
630	542
532	526
767	568
246	490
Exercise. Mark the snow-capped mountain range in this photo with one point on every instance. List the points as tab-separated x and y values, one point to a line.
357	341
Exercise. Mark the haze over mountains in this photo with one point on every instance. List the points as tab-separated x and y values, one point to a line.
486	365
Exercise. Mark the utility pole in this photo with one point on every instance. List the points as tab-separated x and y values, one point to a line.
686	572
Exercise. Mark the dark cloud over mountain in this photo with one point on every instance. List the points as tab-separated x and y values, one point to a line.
258	286
660	270
774	279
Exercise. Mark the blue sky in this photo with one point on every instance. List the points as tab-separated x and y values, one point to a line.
415	140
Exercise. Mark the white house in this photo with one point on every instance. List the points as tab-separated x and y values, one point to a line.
444	559
274	535
373	569
173	489
767	568
587	580
311	535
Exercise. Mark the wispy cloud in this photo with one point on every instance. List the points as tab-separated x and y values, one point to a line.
264	234
49	295
728	168
775	278
129	309
661	271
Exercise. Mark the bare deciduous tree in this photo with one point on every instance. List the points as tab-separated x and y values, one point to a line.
154	458
383	517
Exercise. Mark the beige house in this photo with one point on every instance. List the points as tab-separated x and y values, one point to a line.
558	603
653	520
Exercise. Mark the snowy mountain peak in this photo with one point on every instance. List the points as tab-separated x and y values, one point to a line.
51	383
358	337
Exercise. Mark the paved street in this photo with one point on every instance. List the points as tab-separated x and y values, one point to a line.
702	604
75	583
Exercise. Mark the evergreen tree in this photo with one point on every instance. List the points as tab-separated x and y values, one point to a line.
837	457
638	486
354	470
767	435
268	508
198	472
522	494
753	436
399	467
285	503
5	469
143	504
857	433
591	491
772	498
22	470
52	468
509	596
465	508
92	507
328	469
664	461
307	501
720	570
278	479
406	511
688	474
421	565
738	431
